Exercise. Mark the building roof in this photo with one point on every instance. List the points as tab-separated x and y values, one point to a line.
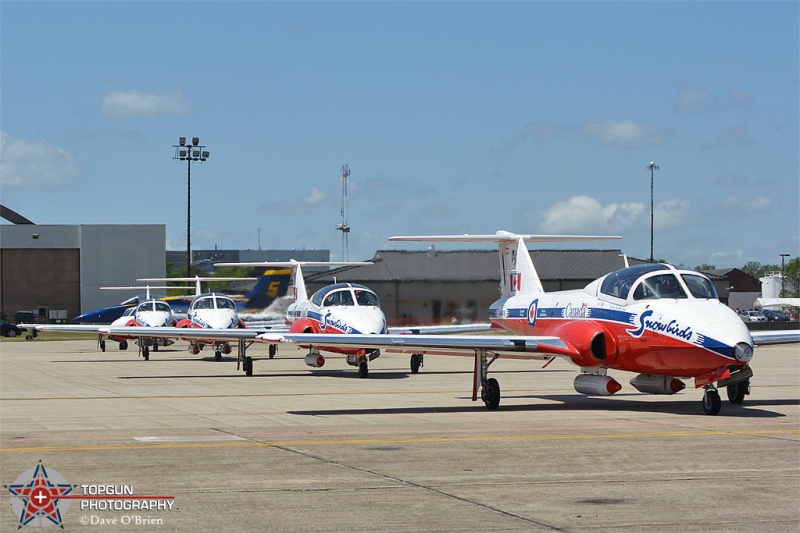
474	265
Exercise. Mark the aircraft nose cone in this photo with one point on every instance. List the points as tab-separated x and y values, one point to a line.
731	337
374	321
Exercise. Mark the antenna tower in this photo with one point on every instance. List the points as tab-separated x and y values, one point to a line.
343	227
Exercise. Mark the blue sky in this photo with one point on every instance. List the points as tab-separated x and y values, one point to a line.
453	117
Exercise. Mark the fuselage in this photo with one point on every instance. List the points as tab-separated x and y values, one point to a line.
652	319
212	310
150	313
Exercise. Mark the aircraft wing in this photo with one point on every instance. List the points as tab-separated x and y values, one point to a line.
445	328
70	328
229	335
775	337
506	346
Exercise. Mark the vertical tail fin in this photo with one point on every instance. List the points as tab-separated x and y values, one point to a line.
300	294
272	284
519	276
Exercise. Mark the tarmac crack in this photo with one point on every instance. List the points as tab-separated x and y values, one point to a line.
409	483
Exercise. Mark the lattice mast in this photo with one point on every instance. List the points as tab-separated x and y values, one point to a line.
343	227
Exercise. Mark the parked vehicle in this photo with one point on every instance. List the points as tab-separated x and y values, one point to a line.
775	316
753	316
7	329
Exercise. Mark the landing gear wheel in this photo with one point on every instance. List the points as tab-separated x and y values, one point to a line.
155	347
123	345
363	369
102	346
248	366
416	362
711	402
490	394
217	356
273	349
146	353
737	391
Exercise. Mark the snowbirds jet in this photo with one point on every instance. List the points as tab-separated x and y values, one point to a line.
659	322
341	308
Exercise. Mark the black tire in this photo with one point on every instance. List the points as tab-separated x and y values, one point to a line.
490	394
248	366
102	346
273	349
217	356
737	391
123	345
363	369
146	355
711	402
416	362
11	333
155	347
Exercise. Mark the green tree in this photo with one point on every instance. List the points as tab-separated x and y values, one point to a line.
757	270
752	268
791	279
705	266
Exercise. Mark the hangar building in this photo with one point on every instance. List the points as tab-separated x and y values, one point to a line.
57	270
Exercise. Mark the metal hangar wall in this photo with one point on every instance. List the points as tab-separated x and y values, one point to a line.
62	267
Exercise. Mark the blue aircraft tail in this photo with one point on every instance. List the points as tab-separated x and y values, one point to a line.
272	284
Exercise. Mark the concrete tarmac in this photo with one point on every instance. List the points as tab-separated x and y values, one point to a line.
296	449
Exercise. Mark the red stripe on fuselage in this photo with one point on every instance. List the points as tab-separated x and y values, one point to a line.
652	353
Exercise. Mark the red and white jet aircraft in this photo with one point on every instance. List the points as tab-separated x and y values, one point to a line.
341	308
654	320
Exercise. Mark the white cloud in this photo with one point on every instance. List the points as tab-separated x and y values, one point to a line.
671	213
581	214
733	257
696	101
38	164
692	100
625	132
315	196
127	104
730	136
738	205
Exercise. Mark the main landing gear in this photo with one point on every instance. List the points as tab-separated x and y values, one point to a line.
416	362
490	388
246	360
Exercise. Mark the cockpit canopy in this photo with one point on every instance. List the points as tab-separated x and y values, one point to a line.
153	305
655	281
345	294
213	301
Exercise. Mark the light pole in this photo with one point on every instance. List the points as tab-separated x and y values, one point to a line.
652	167
189	152
783	262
